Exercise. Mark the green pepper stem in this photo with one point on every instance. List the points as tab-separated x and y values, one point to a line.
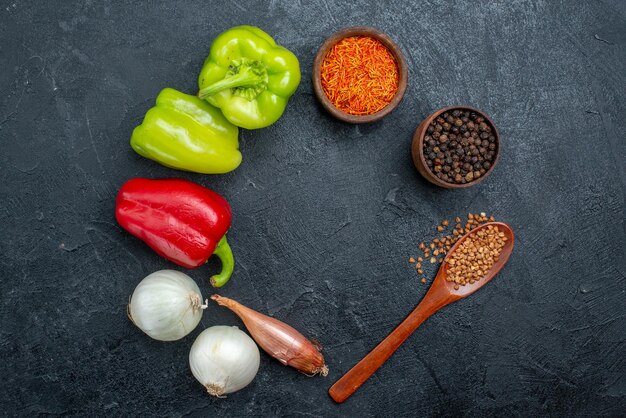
225	254
244	74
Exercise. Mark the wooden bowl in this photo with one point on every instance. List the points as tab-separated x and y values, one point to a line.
385	40
417	148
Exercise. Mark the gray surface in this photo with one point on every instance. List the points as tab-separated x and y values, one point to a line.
325	214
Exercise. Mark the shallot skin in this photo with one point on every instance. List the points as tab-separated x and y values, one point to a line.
278	339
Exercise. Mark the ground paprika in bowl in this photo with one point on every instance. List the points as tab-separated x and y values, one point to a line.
359	75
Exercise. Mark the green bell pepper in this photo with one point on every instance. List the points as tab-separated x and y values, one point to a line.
249	77
187	133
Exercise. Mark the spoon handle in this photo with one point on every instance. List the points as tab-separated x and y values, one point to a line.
351	381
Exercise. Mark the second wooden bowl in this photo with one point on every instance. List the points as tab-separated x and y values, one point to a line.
385	40
417	148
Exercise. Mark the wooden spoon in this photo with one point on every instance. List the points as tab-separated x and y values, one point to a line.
440	294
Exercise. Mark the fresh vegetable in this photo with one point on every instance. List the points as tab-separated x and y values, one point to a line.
224	359
278	339
166	305
180	220
249	77
187	133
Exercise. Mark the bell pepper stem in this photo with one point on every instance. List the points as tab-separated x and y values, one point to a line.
225	254
243	74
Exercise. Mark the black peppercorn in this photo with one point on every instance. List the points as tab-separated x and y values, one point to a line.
459	146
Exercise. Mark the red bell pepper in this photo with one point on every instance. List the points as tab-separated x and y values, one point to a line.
180	220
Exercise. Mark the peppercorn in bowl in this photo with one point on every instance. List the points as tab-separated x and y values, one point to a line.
456	147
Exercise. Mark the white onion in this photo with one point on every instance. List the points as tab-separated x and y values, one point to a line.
224	359
166	305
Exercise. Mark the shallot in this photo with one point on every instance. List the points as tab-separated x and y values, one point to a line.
278	339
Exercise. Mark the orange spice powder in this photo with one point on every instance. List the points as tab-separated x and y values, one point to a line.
359	75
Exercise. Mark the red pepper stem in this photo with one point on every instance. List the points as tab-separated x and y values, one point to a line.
225	254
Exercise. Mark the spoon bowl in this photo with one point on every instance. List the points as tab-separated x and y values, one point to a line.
440	294
468	289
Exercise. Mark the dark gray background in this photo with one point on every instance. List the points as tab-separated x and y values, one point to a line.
325	214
